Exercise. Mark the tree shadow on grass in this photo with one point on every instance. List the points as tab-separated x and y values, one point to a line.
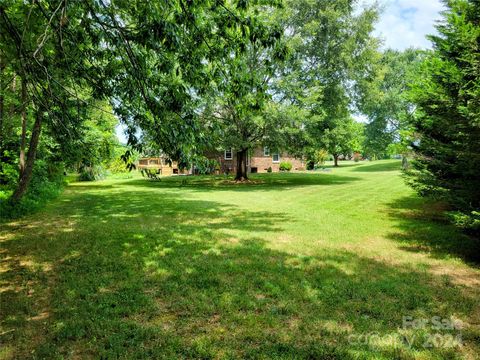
379	167
261	182
341	165
166	277
422	227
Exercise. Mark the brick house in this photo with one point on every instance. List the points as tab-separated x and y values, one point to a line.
258	161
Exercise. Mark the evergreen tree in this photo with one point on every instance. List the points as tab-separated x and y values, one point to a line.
447	120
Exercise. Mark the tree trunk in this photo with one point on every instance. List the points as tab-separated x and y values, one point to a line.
335	160
32	151
241	165
405	164
245	167
23	139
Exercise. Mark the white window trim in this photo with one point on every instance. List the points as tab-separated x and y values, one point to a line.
266	151
225	155
276	161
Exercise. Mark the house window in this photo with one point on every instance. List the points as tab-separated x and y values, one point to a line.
266	151
276	158
228	154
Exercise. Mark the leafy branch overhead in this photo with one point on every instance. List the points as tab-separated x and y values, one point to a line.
151	60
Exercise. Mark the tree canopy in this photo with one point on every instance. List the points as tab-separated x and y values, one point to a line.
386	102
151	60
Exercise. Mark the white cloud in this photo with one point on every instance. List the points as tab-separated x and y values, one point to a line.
405	23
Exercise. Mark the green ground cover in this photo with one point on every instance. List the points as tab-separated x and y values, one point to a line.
323	265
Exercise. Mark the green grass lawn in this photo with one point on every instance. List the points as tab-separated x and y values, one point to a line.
318	266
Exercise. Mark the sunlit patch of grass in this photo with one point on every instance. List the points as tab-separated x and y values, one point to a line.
288	266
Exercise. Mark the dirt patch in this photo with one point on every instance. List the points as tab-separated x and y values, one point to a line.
458	276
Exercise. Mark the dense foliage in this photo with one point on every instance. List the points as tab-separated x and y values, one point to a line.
447	121
345	138
234	110
188	78
152	62
333	51
285	166
386	103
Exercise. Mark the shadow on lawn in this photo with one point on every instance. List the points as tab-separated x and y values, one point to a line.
422	227
263	182
341	165
379	167
127	277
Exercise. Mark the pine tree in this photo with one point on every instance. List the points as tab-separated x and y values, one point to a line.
447	120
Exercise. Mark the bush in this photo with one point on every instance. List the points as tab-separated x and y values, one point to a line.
320	156
285	166
92	173
469	222
269	170
8	174
117	166
47	182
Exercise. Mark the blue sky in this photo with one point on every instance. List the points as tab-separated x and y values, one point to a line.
405	23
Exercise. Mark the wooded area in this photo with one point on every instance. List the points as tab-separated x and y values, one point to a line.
308	192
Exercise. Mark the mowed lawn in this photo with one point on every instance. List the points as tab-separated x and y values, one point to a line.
320	266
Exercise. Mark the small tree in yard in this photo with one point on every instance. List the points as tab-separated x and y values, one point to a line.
343	138
447	120
317	158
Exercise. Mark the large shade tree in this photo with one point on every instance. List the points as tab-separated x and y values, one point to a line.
150	59
240	106
334	48
385	101
229	108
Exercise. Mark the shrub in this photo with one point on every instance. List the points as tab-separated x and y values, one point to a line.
92	173
470	222
46	184
8	174
285	166
117	166
269	170
320	156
